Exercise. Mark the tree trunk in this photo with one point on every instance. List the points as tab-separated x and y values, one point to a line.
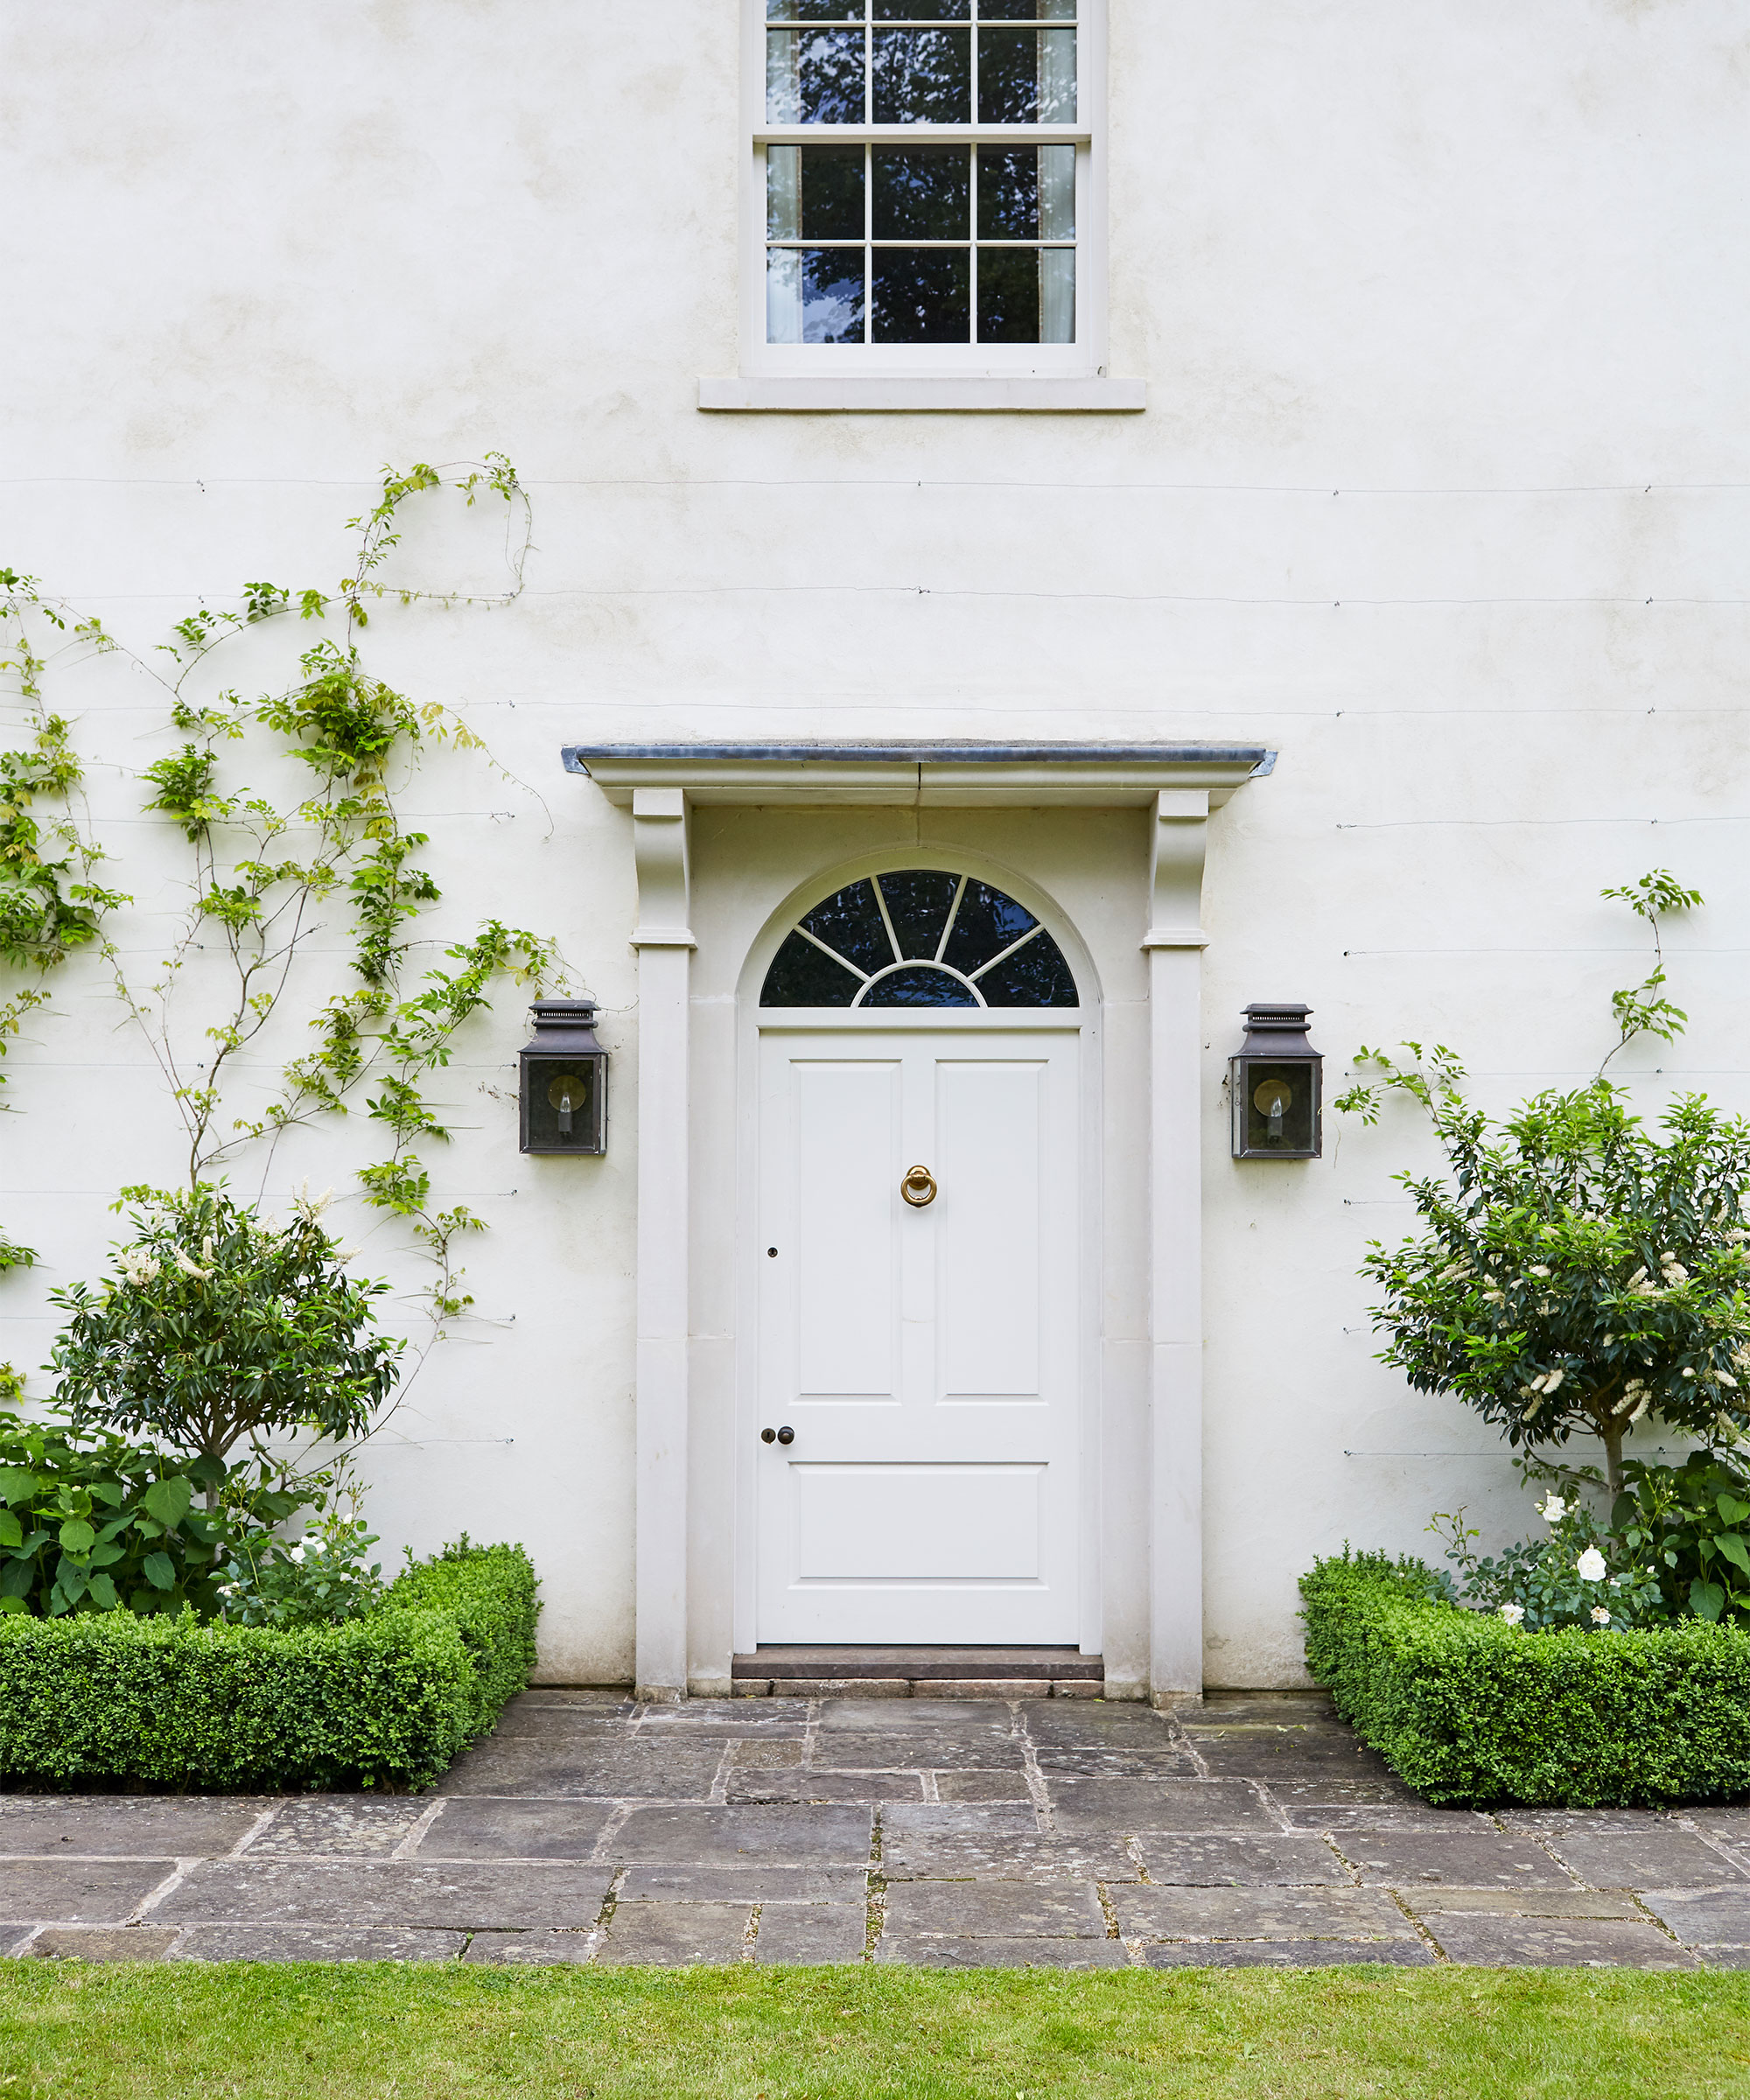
1611	1433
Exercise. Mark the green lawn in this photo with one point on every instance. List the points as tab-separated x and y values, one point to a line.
320	2031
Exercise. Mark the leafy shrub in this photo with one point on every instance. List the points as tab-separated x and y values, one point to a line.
1581	1575
388	1699
1692	1521
319	1580
92	1522
1468	1710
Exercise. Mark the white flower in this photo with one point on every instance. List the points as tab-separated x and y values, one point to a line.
206	1248
311	1207
1676	1273
296	1553
1552	1509
188	1267
1536	1269
1494	1297
1590	1567
1689	1371
1600	1616
1512	1612
1725	1378
1608	1340
345	1254
1639	1276
1552	1379
1641	1407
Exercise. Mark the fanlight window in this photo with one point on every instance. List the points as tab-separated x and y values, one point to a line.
921	937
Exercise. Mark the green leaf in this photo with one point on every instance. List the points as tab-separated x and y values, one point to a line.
17	1483
18	1578
1731	1511
169	1500
77	1536
159	1569
112	1493
1707	1600
11	1532
1735	1550
103	1593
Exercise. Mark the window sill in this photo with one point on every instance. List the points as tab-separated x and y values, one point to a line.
876	395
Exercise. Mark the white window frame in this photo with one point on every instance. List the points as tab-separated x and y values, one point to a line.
952	375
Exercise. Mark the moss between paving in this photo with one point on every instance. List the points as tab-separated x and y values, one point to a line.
331	2033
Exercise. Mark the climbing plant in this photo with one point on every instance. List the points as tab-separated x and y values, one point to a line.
266	874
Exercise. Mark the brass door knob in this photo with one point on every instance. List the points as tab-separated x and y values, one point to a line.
919	1186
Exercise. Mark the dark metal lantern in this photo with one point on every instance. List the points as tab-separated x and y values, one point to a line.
1276	1085
562	1080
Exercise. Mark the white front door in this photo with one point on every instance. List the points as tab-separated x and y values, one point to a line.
924	1356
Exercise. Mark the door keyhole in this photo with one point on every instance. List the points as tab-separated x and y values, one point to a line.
786	1435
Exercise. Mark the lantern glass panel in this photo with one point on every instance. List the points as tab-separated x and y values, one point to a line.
561	1097
1280	1106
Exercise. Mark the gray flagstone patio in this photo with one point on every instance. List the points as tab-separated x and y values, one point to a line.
1059	1832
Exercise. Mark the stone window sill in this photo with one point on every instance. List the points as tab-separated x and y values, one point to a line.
900	396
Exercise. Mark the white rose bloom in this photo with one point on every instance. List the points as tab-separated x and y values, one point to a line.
1590	1566
1600	1616
296	1553
1512	1612
1552	1509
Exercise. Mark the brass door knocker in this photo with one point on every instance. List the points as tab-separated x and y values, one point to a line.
919	1186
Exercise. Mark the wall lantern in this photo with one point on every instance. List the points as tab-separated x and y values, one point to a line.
1275	1085
562	1080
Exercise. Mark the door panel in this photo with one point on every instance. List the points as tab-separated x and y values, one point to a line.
926	1358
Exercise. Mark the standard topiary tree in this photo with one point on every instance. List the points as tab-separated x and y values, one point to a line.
220	1328
1579	1272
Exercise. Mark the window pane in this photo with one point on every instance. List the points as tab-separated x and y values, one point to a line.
920	295
813	192
923	76
922	193
850	921
918	901
814	76
986	923
1057	295
1026	192
918	985
1026	76
1034	976
1026	10
922	10
1009	295
820	11
814	294
801	976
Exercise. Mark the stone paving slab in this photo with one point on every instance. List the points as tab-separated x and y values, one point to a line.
774	1837
1710	1917
950	1832
101	1943
1521	1903
995	1910
814	1932
1215	1861
1258	1913
1140	1804
675	1934
70	1891
480	1827
1476	1858
944	1953
315	1944
106	1826
1286	1954
747	1884
339	1823
465	1895
549	1949
610	1769
1549	1943
1656	1857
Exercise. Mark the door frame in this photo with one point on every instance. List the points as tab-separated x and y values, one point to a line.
1083	1021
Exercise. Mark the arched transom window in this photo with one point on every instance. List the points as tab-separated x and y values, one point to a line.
921	937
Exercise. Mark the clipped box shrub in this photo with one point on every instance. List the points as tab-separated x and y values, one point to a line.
1467	1710
386	1699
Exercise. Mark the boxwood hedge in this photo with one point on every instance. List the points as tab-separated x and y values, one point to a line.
388	1699
1470	1711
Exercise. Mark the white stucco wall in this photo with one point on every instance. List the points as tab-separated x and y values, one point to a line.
1441	492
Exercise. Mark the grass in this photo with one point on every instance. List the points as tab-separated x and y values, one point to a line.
331	2032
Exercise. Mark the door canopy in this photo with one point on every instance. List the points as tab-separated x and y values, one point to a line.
919	937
